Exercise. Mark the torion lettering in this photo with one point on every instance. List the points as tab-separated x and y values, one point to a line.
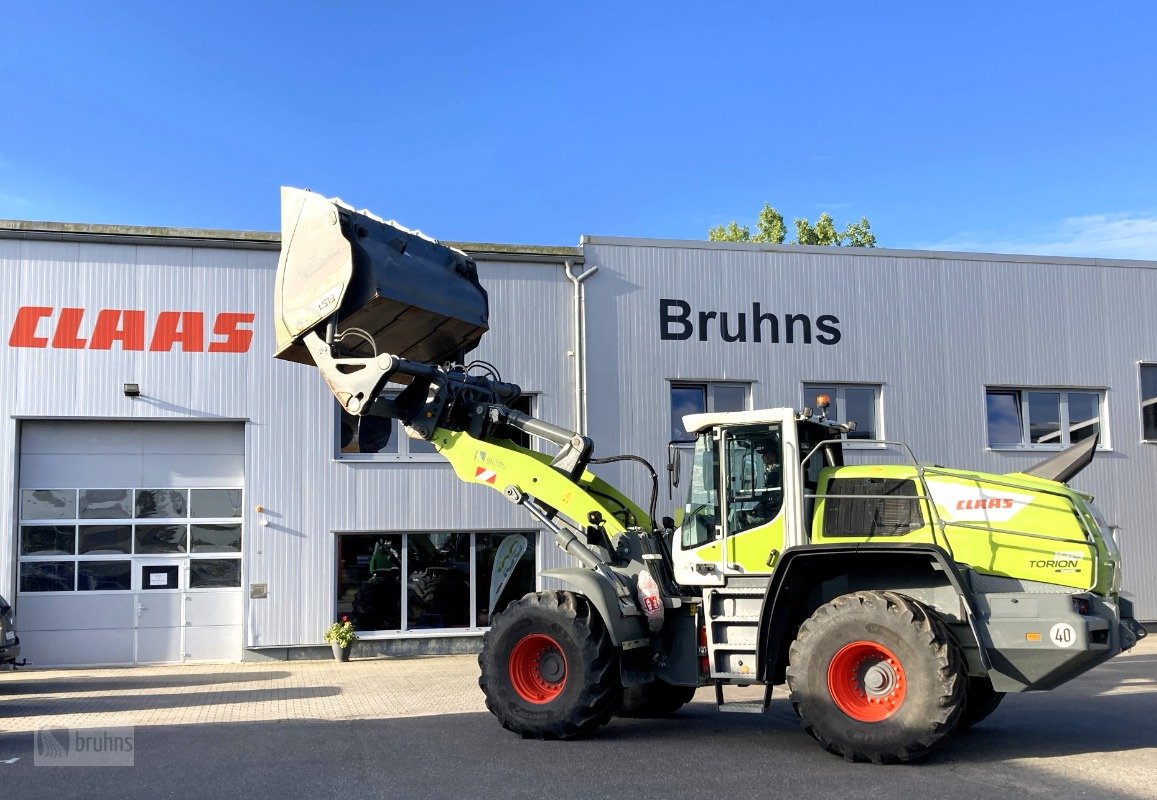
129	329
679	322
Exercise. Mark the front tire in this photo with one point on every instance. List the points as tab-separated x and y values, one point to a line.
875	676
548	667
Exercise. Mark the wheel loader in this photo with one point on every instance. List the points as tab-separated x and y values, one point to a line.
898	602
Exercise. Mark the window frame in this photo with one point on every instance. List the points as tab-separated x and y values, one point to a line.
709	387
1026	444
76	522
838	410
1141	367
406	631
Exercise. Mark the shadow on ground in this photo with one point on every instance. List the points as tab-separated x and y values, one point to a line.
36	683
698	754
48	707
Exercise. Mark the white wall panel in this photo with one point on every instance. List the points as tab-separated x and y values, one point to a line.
65	648
60	612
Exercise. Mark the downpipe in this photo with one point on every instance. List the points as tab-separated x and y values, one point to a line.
578	335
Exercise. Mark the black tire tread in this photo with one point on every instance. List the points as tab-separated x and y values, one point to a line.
928	630
601	695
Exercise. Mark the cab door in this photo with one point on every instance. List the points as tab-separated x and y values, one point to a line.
753	498
733	520
698	546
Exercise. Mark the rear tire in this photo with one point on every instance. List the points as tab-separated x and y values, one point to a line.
982	701
548	667
876	676
655	699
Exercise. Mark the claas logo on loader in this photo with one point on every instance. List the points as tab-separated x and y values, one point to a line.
986	503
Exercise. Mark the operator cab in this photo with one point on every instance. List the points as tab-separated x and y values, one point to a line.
743	507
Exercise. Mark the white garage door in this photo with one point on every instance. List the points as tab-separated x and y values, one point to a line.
130	542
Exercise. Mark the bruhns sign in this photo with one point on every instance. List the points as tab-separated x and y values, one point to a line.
679	321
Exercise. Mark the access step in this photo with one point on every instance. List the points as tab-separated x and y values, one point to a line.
743	707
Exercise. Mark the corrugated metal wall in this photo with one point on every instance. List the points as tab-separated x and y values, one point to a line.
290	430
933	329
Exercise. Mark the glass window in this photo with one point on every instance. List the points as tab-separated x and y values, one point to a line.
162	503
103	576
425	581
367	435
755	487
214	573
369	580
1042	418
1004	422
1149	402
48	504
505	571
686	400
215	538
438	580
214	503
47	576
1084	416
158	577
104	539
363	438
47	540
106	504
699	398
858	403
152	539
728	397
526	404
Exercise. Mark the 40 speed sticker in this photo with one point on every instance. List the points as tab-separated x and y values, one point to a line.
1063	635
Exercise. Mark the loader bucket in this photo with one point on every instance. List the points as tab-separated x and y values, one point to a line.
388	289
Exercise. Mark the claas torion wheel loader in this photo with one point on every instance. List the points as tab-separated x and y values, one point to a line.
898	602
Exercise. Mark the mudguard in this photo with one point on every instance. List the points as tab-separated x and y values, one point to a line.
629	632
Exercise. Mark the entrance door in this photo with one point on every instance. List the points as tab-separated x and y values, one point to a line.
159	593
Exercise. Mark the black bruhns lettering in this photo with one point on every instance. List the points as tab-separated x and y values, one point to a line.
679	322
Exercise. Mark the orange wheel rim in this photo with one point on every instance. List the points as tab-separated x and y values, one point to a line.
867	682
537	668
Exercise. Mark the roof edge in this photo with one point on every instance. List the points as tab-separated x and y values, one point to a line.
934	255
251	240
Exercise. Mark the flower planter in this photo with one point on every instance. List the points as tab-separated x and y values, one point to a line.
341	653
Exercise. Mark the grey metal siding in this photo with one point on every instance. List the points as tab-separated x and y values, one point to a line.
289	434
934	330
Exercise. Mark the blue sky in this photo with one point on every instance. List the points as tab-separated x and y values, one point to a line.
1011	127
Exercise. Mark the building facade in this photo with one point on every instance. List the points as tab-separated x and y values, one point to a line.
174	493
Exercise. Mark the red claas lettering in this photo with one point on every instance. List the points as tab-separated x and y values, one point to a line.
45	327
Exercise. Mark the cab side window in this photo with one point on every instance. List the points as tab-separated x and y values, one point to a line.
755	484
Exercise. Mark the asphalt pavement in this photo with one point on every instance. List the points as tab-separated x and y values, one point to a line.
417	728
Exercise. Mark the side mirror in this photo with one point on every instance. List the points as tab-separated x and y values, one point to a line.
674	454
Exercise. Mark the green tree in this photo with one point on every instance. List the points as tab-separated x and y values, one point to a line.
770	229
